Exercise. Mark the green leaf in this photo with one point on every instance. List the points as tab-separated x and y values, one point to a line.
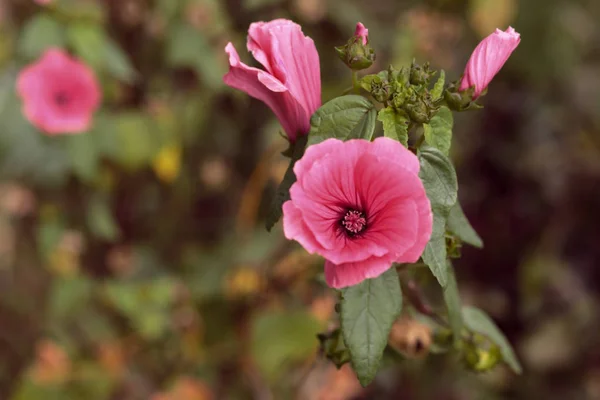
434	256
438	133
189	47
279	338
100	219
83	154
40	33
88	42
453	304
439	178
345	117
438	88
283	190
117	62
395	126
93	45
135	139
478	321
460	226
368	312
440	182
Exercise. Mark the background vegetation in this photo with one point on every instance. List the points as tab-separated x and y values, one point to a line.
133	259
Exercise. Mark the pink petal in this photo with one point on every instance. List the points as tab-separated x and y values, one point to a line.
284	51
294	228
348	274
393	150
274	94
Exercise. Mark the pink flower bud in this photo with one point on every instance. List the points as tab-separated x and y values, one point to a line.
488	58
362	32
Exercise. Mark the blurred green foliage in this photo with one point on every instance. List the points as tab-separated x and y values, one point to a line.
133	259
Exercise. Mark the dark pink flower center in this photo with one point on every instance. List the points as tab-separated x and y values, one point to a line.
62	99
354	222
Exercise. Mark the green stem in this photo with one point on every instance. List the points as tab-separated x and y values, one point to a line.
355	82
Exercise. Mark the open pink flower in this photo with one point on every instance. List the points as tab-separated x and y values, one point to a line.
488	58
60	94
359	204
362	32
291	84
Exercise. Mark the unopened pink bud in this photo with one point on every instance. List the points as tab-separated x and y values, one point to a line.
362	32
488	58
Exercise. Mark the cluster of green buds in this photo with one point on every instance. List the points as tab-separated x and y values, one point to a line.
406	90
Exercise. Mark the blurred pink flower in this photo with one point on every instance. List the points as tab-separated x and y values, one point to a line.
43	2
360	205
488	58
60	94
291	84
362	32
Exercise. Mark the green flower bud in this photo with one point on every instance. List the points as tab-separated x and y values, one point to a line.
420	75
480	354
356	55
460	101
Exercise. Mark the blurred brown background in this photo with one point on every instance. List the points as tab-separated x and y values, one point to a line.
133	259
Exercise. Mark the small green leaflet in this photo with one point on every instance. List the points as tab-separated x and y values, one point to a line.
368	312
439	179
478	321
346	117
438	132
283	190
438	88
460	226
395	126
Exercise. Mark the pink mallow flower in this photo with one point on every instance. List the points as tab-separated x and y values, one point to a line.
360	205
60	94
488	58
43	2
362	32
291	84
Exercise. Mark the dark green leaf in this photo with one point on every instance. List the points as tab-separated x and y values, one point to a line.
438	88
453	304
434	256
83	154
94	46
117	62
460	226
40	33
189	47
346	117
368	312
100	219
282	337
283	190
88	42
478	321
395	126
438	133
439	178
